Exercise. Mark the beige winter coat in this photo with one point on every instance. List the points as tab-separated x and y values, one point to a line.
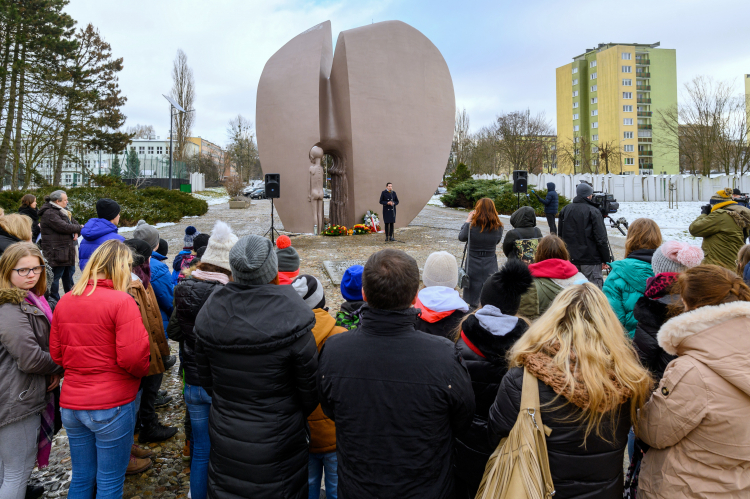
698	419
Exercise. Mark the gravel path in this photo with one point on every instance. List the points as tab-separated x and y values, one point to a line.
434	229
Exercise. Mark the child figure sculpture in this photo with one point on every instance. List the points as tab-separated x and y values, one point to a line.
315	196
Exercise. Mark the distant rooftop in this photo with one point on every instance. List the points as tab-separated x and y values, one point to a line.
603	46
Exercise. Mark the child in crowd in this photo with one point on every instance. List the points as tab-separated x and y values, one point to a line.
441	305
322	429
288	260
193	240
351	290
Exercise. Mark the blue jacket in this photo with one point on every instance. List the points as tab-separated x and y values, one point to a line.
550	202
94	234
626	283
177	265
163	286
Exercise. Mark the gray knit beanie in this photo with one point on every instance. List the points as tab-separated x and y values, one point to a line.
584	190
146	232
676	256
253	260
440	269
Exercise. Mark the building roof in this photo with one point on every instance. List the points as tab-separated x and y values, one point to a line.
612	44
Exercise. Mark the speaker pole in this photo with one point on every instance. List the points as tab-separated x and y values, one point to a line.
272	229
518	200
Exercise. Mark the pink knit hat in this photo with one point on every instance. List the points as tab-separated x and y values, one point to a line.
675	256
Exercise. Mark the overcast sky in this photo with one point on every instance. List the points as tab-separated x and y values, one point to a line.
502	55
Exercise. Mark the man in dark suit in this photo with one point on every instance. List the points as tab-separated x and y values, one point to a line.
389	200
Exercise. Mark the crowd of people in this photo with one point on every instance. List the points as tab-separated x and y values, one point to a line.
406	390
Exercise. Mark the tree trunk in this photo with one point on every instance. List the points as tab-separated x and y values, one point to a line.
11	114
61	152
19	122
4	82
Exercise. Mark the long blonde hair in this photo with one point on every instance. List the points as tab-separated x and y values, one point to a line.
10	259
581	322
113	259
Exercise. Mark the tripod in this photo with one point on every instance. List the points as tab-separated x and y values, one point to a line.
272	231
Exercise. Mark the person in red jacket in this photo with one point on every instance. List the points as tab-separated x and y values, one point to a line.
98	337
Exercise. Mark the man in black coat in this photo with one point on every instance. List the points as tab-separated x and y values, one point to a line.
582	228
256	358
398	396
389	200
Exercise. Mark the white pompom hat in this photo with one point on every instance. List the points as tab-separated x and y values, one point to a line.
221	241
676	256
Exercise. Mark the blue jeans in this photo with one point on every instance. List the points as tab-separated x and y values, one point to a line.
199	405
316	464
100	442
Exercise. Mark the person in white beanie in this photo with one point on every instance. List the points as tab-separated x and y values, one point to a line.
190	295
442	308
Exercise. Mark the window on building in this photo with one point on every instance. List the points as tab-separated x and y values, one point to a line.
627	109
595	124
627	95
628	148
576	128
166	150
593	76
575	139
68	178
627	121
132	148
594	149
628	135
141	150
627	69
594	162
87	163
575	93
592	64
151	149
593	88
644	133
627	83
578	162
159	150
575	116
595	137
629	161
575	82
627	56
575	70
594	100
575	105
595	112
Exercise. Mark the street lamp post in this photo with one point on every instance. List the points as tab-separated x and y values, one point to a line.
173	106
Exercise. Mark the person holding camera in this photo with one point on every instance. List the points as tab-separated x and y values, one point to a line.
581	226
551	204
724	225
739	198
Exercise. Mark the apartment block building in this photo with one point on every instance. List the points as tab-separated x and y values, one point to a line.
607	99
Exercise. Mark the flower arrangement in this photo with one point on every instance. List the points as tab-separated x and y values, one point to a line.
362	229
372	220
336	230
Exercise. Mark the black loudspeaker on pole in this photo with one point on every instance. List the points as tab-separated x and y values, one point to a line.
273	190
520	181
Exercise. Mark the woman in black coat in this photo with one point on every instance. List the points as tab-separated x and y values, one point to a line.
486	233
257	359
389	201
484	340
28	208
523	221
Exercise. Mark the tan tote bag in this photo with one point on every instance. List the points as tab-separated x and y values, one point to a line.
519	467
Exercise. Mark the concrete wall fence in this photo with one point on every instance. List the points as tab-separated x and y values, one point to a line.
640	187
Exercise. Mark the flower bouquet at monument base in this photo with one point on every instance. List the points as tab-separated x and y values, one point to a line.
372	220
335	230
362	229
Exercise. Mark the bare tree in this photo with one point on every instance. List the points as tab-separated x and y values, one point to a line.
576	154
732	148
521	139
610	155
461	138
183	92
484	154
139	131
241	149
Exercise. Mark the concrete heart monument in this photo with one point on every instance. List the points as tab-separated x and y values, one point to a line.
382	107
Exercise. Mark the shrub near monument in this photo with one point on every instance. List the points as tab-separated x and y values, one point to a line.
152	204
465	194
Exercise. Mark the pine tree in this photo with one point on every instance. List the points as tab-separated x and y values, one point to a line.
132	165
115	170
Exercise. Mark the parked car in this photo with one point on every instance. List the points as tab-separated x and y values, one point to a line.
326	193
258	193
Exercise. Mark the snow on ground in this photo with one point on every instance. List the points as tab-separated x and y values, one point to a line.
213	195
158	226
435	201
673	222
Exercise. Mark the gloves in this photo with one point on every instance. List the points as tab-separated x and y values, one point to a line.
706	209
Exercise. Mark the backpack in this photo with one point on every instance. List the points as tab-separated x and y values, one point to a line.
526	249
347	320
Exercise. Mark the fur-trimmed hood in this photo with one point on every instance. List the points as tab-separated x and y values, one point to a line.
716	336
15	296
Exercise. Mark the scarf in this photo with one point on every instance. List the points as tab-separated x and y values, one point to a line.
659	285
210	276
66	212
143	271
40	302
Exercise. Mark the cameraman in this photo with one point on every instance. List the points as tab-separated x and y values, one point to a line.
581	226
724	226
739	198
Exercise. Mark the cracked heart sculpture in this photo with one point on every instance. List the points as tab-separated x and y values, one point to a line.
382	107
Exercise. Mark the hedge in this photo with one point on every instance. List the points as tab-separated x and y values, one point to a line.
152	204
468	192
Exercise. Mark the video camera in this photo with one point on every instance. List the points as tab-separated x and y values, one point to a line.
607	203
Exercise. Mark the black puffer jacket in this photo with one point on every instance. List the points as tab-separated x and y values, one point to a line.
33	214
189	297
652	311
445	327
6	240
523	221
581	226
257	357
398	397
590	472
484	354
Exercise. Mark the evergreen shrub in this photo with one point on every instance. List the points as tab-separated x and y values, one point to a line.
467	193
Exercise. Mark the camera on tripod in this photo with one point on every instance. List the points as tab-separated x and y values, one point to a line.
607	203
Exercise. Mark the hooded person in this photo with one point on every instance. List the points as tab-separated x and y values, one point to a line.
724	225
351	291
442	308
288	260
653	309
252	334
484	339
185	253
696	420
523	221
551	203
322	429
100	229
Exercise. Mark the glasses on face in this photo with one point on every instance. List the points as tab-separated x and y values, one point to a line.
25	272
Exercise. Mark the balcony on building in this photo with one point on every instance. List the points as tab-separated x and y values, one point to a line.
644	100
644	127
642	74
642	61
645	114
645	153
643	87
646	166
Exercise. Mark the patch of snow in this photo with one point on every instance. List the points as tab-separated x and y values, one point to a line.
211	201
435	201
673	222
158	226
